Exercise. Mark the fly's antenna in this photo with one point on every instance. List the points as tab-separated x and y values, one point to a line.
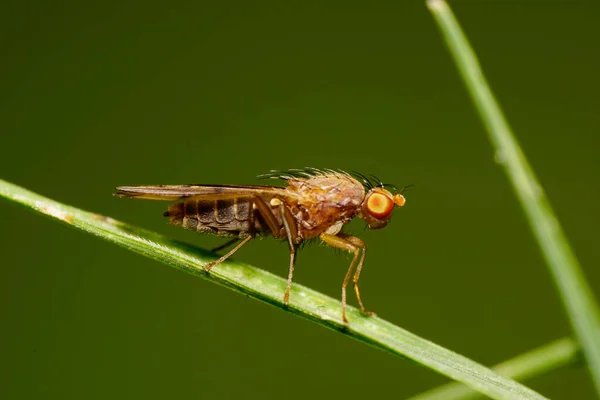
405	188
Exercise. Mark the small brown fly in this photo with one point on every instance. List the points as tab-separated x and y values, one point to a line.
315	203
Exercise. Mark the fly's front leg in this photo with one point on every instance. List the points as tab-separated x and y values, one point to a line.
359	243
353	245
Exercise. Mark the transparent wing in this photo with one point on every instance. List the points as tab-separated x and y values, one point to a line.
206	192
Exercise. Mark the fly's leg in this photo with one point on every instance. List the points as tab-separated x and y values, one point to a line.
259	205
208	266
359	243
292	235
289	229
225	245
288	288
353	245
264	210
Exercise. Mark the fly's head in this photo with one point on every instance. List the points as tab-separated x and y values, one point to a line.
378	206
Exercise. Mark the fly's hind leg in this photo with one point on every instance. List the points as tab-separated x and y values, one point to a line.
260	205
353	245
225	245
208	266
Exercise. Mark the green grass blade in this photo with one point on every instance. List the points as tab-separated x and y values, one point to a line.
574	290
269	288
555	355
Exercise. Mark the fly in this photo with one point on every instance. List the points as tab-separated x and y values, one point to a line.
316	203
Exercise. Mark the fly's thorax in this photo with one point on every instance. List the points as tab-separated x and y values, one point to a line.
328	191
325	201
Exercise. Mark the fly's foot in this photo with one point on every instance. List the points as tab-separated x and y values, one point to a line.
286	299
367	313
345	319
208	267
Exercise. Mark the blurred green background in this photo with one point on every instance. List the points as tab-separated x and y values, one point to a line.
117	93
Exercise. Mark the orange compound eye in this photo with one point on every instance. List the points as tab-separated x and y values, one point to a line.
379	205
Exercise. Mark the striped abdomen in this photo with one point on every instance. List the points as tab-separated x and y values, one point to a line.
232	217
